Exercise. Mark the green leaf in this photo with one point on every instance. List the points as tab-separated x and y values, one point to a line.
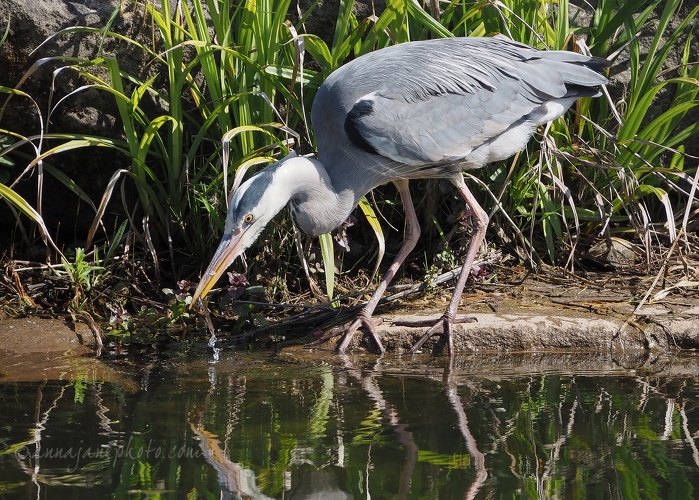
328	253
21	204
370	215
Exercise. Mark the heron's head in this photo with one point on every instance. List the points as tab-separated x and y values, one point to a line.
252	206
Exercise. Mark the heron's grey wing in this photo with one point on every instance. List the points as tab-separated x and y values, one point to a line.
451	100
436	128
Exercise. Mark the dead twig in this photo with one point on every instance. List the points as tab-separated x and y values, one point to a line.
86	318
631	319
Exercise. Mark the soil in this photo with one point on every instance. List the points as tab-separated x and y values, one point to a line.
552	314
595	314
37	349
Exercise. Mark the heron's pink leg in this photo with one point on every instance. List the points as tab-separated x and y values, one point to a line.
480	223
364	319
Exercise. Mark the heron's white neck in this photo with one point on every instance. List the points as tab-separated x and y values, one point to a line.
315	204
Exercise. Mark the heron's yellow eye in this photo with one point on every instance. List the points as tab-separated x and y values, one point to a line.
248	218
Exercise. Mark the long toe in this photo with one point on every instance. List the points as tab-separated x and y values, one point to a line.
368	325
333	332
348	330
432	321
442	327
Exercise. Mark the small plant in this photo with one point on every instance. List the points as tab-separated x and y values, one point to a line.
82	275
120	320
178	302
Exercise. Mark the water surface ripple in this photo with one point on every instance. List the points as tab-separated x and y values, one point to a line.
302	424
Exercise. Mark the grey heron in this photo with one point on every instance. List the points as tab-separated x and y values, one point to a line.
427	109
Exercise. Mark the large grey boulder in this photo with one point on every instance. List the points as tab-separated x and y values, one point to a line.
32	23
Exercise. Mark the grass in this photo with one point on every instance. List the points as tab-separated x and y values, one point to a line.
233	84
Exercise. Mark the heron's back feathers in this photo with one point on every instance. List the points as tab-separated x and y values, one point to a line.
422	108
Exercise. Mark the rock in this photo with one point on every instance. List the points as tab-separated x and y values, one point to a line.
617	252
33	22
545	323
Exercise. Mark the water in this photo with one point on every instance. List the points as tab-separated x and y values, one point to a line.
305	425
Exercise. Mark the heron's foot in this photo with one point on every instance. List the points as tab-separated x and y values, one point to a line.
348	330
442	327
431	322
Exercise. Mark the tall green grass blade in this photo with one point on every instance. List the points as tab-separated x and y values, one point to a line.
373	220
70	184
7	31
562	31
328	254
116	241
343	23
610	15
320	52
17	201
352	42
421	16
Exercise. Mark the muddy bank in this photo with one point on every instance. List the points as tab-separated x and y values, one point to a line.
542	316
550	329
535	316
39	349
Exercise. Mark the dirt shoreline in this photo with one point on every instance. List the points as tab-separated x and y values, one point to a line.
549	325
534	316
35	349
553	313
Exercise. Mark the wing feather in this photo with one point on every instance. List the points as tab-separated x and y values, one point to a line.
439	101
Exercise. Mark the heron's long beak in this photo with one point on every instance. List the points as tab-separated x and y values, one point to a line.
228	250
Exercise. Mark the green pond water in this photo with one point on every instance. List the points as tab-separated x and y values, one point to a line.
310	425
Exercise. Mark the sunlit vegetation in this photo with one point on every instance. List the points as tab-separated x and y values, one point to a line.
228	88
